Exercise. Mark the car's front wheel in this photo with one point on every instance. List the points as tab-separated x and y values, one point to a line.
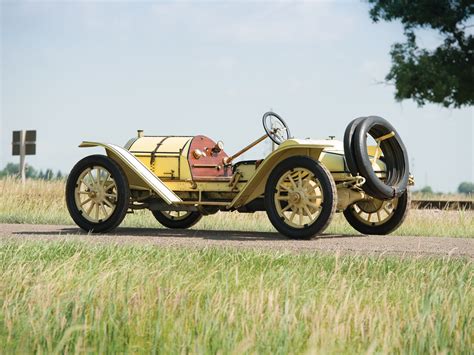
300	197
97	194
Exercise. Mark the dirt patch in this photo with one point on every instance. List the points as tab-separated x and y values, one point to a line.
353	244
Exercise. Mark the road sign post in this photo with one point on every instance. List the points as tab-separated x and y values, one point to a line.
23	144
22	157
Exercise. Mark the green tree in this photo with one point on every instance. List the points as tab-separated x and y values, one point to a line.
11	169
444	75
466	188
31	172
48	175
427	190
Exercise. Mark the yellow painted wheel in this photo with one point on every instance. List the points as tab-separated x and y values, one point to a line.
374	212
97	194
300	197
177	219
378	217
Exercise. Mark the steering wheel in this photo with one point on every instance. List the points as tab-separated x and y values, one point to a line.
275	127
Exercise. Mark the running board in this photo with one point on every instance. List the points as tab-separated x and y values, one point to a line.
125	159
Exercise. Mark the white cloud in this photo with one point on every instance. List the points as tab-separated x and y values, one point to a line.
284	22
242	22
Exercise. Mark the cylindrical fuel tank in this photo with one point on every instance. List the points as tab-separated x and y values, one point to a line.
165	156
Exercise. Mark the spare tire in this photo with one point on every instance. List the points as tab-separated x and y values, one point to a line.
348	145
394	154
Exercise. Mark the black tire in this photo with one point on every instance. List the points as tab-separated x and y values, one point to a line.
394	151
177	223
122	192
349	147
327	207
395	155
400	212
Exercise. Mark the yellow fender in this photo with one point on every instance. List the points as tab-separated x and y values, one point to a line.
292	147
137	173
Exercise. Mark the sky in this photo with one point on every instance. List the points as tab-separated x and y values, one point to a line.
84	70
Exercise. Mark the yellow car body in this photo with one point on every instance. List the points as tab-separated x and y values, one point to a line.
169	163
300	184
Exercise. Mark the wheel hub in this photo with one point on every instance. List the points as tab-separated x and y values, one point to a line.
294	197
97	193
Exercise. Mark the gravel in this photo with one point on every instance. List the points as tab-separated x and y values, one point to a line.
344	244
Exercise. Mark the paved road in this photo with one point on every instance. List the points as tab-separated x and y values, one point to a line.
353	244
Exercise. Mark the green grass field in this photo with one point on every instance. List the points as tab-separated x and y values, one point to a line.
66	297
71	297
42	202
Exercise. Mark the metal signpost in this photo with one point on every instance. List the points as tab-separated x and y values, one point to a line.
23	144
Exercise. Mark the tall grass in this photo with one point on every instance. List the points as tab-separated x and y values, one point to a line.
418	195
42	202
63	297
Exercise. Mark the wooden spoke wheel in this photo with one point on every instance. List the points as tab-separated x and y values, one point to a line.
300	197
177	219
97	194
377	216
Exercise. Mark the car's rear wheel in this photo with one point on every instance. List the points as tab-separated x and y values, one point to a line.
177	219
300	197
378	217
97	194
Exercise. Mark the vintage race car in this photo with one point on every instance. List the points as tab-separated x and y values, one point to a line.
300	185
